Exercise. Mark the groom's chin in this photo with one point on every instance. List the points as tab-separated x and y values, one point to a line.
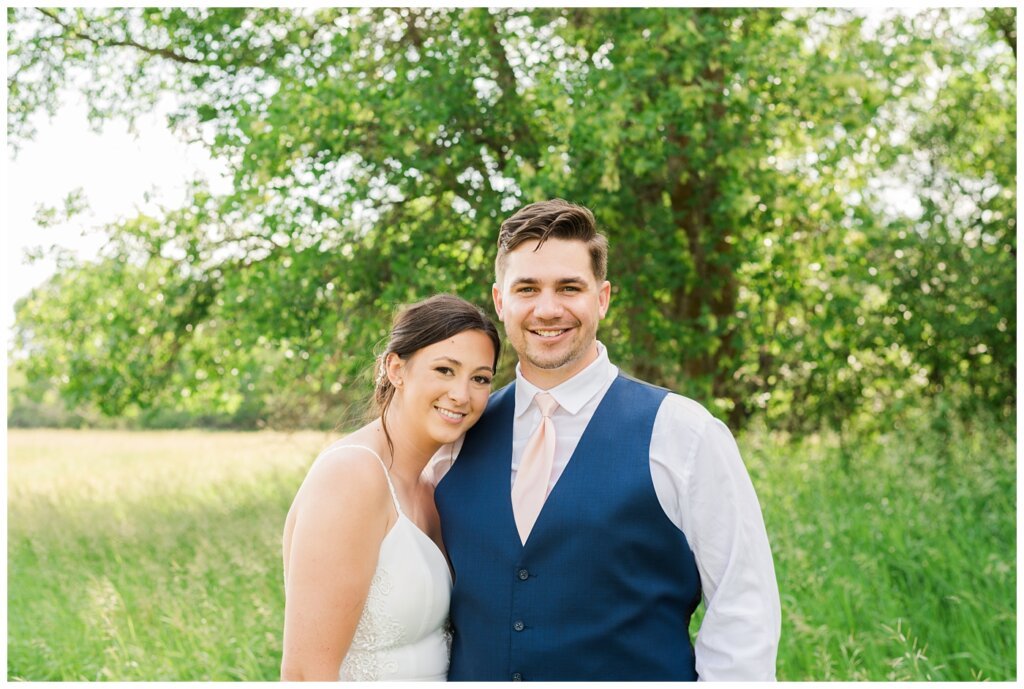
552	360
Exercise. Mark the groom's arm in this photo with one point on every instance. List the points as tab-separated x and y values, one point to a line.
706	491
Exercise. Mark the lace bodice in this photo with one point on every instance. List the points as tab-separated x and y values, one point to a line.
403	632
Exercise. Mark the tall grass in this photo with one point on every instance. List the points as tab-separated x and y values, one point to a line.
157	555
148	555
902	568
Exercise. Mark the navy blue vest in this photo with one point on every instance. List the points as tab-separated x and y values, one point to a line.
605	585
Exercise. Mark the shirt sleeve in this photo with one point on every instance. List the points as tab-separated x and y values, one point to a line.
705	490
438	465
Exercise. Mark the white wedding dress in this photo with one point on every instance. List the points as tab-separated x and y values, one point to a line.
403	633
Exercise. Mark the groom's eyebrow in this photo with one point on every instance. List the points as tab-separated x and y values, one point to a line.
571	280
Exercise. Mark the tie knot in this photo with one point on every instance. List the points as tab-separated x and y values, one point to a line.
546	403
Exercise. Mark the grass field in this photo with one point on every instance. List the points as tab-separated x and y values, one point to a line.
148	555
156	556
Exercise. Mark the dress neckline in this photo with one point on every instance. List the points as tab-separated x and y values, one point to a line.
423	534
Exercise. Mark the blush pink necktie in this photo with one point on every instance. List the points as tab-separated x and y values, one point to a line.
531	486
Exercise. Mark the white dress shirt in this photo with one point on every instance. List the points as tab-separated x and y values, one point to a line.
705	491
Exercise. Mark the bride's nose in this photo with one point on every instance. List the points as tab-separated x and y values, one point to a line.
458	392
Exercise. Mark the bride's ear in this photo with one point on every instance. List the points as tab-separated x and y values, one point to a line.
394	368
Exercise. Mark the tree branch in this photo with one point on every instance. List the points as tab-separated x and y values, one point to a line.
1011	37
127	43
1002	20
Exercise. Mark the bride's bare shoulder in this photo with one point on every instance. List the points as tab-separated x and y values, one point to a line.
343	503
349	464
350	470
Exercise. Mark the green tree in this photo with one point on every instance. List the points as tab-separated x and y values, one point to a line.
737	158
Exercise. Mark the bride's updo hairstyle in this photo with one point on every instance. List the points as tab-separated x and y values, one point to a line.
420	325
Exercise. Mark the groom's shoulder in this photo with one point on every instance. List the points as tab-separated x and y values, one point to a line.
673	404
507	393
643	383
502	400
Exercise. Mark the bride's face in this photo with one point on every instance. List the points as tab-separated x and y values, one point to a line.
442	389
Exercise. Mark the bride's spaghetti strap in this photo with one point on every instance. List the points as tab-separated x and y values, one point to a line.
387	474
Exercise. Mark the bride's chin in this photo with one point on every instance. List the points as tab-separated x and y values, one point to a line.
445	438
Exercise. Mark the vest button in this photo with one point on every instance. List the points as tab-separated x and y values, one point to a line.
517	677
518	625
523	575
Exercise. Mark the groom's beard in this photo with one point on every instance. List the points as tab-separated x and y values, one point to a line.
541	357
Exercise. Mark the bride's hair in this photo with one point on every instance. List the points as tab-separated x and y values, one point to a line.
421	325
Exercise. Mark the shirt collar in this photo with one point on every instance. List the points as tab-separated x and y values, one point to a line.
574	393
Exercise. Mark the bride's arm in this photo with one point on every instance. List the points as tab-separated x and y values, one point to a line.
341	514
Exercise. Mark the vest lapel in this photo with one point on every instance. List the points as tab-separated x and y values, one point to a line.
501	437
598	424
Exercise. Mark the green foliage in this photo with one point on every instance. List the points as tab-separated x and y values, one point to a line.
156	556
812	212
903	571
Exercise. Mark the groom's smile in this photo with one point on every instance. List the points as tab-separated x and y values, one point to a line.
549	333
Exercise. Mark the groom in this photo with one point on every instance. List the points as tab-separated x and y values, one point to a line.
588	513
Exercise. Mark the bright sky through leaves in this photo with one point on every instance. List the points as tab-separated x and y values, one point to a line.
117	171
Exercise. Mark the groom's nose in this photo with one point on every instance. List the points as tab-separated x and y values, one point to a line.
547	305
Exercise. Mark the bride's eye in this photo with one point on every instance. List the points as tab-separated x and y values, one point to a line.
444	370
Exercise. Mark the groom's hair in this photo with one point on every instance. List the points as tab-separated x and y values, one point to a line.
555	218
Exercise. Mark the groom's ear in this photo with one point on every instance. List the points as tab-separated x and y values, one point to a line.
604	297
496	296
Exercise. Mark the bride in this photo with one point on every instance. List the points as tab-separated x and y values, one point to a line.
367	584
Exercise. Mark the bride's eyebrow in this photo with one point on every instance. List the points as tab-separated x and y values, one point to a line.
456	362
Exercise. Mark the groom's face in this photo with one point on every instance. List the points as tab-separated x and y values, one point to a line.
550	302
